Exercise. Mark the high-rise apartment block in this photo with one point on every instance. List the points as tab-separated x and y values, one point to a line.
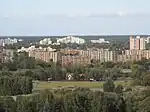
142	43
138	43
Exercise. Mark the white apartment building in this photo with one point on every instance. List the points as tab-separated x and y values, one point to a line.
8	41
71	39
45	41
101	40
32	48
148	39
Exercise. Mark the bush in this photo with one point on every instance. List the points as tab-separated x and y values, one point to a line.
7	104
136	82
108	86
119	89
146	80
127	89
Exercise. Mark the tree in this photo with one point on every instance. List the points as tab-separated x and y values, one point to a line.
2	109
115	72
119	89
108	86
138	70
108	64
146	80
97	73
144	105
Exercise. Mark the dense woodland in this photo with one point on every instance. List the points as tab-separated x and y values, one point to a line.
16	79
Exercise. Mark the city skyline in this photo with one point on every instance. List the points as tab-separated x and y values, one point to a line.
98	17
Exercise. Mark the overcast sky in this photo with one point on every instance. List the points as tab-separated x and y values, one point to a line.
69	17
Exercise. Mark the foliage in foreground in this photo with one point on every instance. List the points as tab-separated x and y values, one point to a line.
78	100
15	85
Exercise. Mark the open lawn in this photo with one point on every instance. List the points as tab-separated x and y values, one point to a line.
71	84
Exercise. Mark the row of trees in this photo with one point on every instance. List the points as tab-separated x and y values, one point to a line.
78	100
15	85
58	73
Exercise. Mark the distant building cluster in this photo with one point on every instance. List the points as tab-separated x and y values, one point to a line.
8	41
69	56
33	48
73	56
66	40
71	39
101	40
45	41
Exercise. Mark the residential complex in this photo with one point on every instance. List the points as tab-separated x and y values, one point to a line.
72	56
69	56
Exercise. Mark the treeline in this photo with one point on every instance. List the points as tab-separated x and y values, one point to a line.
78	100
15	85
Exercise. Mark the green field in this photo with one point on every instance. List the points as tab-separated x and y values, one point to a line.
71	84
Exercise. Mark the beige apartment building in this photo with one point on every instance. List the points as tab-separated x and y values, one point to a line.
138	43
133	55
142	43
77	59
132	43
45	55
71	56
101	55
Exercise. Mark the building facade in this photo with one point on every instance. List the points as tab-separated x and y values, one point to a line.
138	43
142	43
133	55
132	43
46	56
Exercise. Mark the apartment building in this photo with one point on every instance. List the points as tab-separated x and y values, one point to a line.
142	43
73	56
101	55
76	59
138	43
45	55
133	55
